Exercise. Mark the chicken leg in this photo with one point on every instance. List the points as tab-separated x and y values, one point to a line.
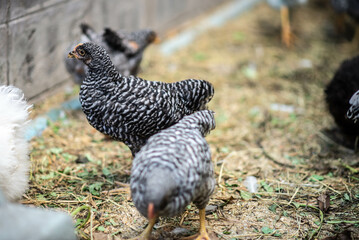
202	235
202	229
145	235
287	35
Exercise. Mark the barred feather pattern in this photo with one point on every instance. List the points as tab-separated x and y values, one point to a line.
174	168
353	111
131	109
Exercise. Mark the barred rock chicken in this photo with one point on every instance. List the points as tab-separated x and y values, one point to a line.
284	5
131	109
338	96
173	169
125	49
14	149
353	111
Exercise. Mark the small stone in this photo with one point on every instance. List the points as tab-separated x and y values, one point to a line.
211	208
82	159
324	202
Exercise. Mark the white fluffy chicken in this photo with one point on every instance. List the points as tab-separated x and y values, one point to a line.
14	148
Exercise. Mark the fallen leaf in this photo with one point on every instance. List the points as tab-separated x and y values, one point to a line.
245	195
324	202
267	230
211	208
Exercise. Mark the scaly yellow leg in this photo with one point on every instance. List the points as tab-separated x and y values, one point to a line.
287	36
202	229
145	235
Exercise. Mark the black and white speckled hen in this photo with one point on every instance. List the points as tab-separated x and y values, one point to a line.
131	109
339	92
173	169
125	49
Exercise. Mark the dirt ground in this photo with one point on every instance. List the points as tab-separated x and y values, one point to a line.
270	115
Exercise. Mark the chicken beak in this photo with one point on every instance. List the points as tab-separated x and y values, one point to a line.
72	54
151	211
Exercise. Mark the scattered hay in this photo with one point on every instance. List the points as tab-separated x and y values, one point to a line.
255	79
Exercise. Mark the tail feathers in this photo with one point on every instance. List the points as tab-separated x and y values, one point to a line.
88	31
143	37
195	94
202	120
113	39
119	42
354	100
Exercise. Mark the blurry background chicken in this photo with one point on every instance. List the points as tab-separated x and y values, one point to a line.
347	8
339	91
173	169
125	49
284	5
14	149
131	109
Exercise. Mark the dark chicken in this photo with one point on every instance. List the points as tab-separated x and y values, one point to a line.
173	169
131	109
339	92
125	49
350	8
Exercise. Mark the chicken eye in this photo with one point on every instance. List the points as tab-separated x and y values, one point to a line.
81	52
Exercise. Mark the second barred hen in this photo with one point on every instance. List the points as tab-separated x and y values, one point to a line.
125	49
173	169
131	109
